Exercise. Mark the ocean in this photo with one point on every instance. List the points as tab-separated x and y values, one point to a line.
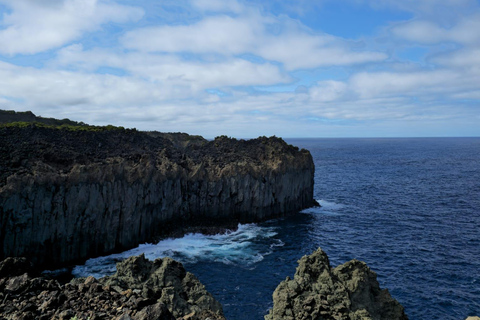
408	207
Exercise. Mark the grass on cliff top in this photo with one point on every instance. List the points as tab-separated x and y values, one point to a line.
68	127
26	119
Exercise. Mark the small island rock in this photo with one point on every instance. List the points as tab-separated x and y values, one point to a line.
317	291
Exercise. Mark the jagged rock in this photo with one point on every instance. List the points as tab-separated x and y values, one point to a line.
166	281
70	194
157	311
349	291
140	290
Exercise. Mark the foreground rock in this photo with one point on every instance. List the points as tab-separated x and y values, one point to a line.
69	192
140	290
349	291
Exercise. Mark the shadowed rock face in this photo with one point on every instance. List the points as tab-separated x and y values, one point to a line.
67	195
140	290
317	291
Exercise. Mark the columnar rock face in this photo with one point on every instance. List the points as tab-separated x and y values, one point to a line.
140	290
66	195
317	291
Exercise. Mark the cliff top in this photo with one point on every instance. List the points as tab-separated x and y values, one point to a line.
29	143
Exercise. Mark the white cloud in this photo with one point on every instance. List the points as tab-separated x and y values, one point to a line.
196	74
421	31
219	34
430	32
291	44
36	26
328	91
297	52
218	5
429	85
432	8
464	58
171	71
162	105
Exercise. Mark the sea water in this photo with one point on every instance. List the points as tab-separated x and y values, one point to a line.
409	208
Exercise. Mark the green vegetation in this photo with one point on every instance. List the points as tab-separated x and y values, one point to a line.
68	127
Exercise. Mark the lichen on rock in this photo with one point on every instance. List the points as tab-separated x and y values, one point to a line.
317	291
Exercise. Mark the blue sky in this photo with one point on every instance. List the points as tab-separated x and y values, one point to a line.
245	68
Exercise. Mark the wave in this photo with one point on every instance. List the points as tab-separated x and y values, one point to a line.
326	207
247	245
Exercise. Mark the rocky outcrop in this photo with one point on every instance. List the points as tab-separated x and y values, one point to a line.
317	291
140	290
69	193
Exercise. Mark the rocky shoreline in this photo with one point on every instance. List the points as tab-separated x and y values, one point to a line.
69	191
140	290
163	289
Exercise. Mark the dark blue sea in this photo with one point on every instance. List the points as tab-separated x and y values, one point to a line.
409	208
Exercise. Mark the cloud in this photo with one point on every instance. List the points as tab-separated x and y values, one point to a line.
219	34
274	39
162	105
428	85
37	26
464	58
218	5
328	91
428	32
172	71
431	8
198	71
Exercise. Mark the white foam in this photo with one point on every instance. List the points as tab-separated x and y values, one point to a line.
330	204
326	207
247	245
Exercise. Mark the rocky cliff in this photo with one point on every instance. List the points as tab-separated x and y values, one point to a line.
140	290
72	192
318	291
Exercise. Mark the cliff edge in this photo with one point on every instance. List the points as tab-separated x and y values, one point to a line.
69	192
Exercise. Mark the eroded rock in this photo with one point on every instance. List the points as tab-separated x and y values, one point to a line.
317	291
140	290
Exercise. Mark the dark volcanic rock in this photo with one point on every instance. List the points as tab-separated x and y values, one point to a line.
349	291
69	193
166	281
140	290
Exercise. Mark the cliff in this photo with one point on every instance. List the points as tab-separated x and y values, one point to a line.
140	290
318	291
71	192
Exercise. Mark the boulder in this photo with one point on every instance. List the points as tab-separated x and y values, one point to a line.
318	291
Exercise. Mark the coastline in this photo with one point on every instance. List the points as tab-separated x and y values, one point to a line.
68	193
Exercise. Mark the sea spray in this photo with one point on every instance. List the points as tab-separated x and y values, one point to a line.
244	247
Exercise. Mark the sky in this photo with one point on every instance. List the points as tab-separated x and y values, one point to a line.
247	68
